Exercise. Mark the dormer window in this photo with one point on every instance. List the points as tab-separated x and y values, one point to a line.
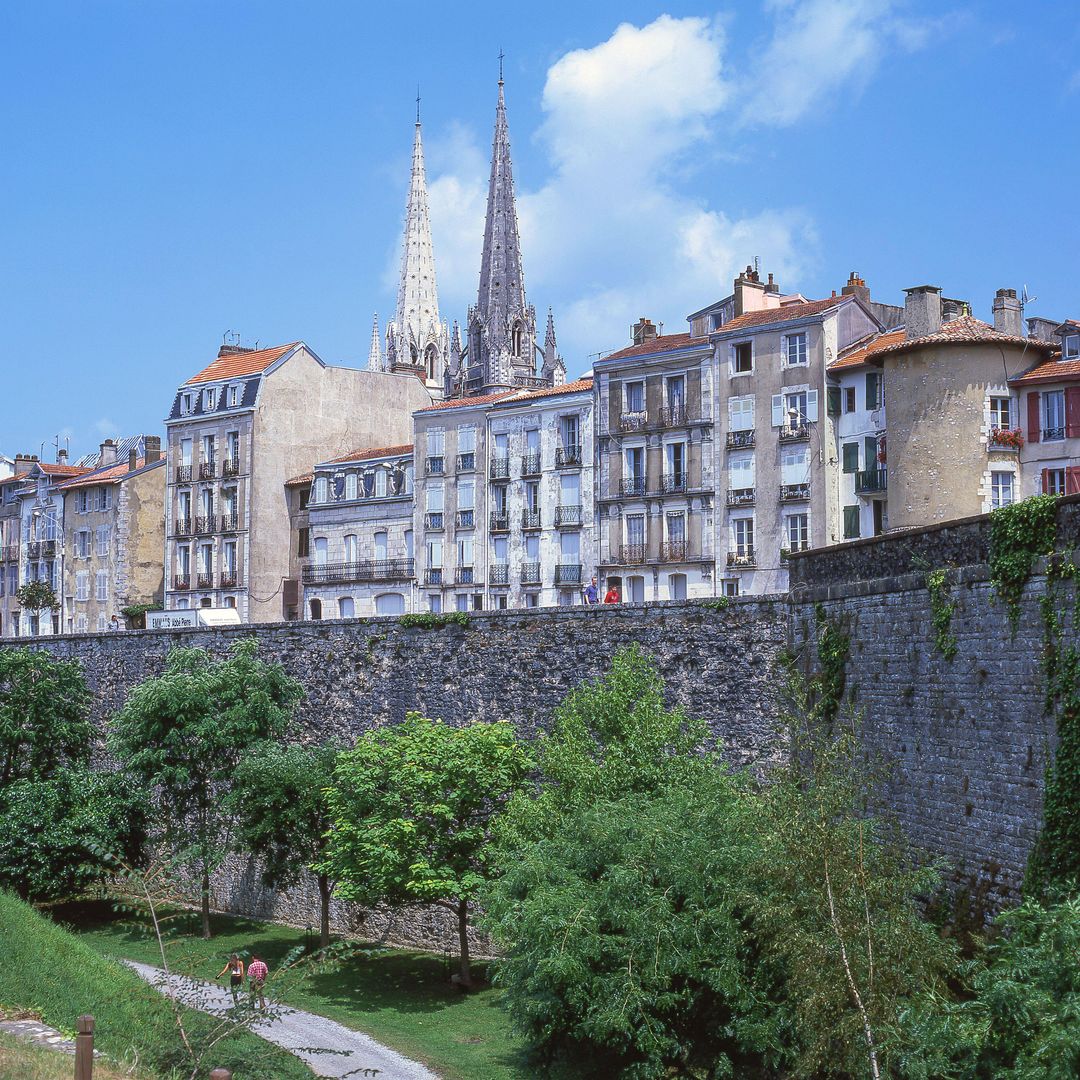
1070	348
234	396
322	490
185	404
209	400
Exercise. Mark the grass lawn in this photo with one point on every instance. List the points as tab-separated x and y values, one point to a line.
20	1060
402	999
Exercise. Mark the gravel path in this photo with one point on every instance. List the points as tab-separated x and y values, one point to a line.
38	1033
350	1052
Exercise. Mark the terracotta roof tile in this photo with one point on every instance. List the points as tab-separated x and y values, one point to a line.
786	313
522	396
62	470
111	475
966	330
859	356
661	344
14	479
375	452
465	402
1051	371
232	365
300	481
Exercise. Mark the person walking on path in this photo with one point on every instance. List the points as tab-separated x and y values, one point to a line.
235	968
592	596
257	973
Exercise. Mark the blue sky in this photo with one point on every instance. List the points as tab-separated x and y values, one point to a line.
171	171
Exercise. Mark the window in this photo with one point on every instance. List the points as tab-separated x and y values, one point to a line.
322	489
466	495
1053	415
208	448
390	604
568	430
352	549
434	496
742	358
676	395
1053	482
346	607
676	466
82	504
731	587
435	603
1001	413
81	624
795	466
515	339
315	607
229	560
850	451
102	539
234	396
408	481
303	541
461	601
101	581
849	399
851	523
321	552
676	529
82	585
185	404
1070	348
741	413
832	400
82	544
741	472
873	390
466	440
380	483
795	350
435	443
434	554
465	551
408	543
635	470
742	536
635	531
567	482
209	400
635	397
795	408
676	586
101	623
1001	489
185	452
232	446
797	530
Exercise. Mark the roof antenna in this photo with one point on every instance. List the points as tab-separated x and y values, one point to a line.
418	103
1025	300
757	265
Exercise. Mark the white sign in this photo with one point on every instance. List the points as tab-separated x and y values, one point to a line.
171	620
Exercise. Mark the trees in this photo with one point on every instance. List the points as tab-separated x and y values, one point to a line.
412	807
37	596
43	721
279	797
184	732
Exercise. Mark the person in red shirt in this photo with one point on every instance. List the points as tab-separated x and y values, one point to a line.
257	973
612	596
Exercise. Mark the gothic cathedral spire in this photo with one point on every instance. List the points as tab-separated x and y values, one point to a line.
501	345
416	339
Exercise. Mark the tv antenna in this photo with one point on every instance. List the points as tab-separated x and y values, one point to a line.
1025	299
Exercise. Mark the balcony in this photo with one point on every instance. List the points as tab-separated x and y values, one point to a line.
871	481
790	433
500	521
635	485
204	525
204	581
230	579
362	570
499	574
433	520
673	551
742	557
740	440
230	467
567	457
794	492
740	497
33	549
631	554
230	523
183	474
182	527
530	573
673	483
499	468
433	576
466	462
567	516
1053	434
435	466
1009	440
466	519
207	470
792	548
463	575
568	574
530	463
10	553
182	581
634	421
674	416
531	382
530	519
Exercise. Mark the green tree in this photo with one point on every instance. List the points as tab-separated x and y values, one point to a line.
43	723
412	807
183	734
37	596
280	798
54	831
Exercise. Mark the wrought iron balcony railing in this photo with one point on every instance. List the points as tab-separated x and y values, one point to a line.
10	553
183	474
400	569
1053	434
433	520
530	463
435	466
674	416
673	551
466	462
633	421
631	554
433	575
463	575
182	526
204	524
567	516
794	492
230	522
868	481
466	519
499	468
230	467
568	574
204	580
500	521
499	574
744	556
740	440
530	519
230	579
634	485
740	497
567	457
1008	439
182	581
673	483
530	573
794	433
33	549
207	470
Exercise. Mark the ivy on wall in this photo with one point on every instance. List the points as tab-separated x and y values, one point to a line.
942	607
1019	534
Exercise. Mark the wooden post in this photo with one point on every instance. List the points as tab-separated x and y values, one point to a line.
84	1048
221	1074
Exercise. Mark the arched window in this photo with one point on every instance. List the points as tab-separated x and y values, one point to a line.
413	354
431	357
315	605
230	601
515	339
206	602
346	607
390	604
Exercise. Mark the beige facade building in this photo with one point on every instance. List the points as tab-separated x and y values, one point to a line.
113	536
237	431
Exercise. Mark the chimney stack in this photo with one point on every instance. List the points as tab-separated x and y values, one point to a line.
643	330
153	448
856	286
749	292
922	311
1008	313
62	456
23	462
108	454
233	350
133	459
772	287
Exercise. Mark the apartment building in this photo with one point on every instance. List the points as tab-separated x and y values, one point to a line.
541	544
952	395
357	552
655	465
11	543
114	534
237	431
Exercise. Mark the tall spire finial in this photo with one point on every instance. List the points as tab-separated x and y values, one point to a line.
418	103
375	360
501	56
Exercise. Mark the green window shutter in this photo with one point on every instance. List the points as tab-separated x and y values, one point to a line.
851	457
870	462
851	523
873	390
833	401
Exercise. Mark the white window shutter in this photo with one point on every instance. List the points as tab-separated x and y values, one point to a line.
778	410
811	405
